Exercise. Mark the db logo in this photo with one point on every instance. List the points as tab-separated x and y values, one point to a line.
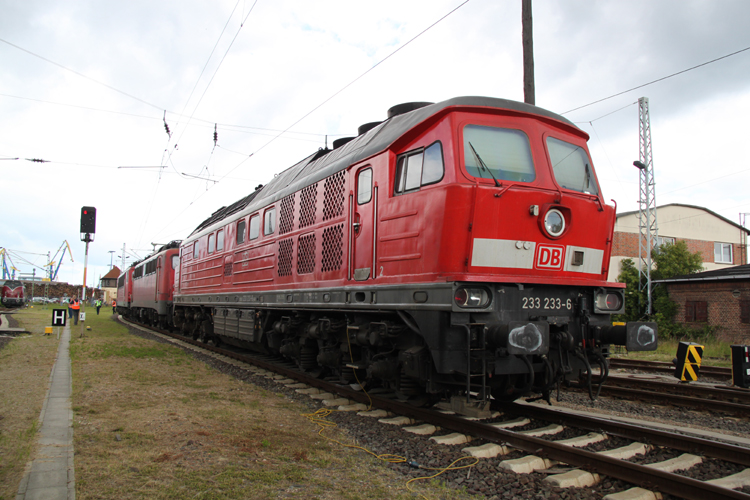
549	257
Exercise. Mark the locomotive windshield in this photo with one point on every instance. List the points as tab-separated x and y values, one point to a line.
498	153
571	166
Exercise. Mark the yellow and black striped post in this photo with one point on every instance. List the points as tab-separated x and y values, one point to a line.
688	361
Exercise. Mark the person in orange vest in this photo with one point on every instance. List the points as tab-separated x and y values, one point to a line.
76	307
114	306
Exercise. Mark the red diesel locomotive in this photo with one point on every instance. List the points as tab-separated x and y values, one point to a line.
454	249
145	290
12	293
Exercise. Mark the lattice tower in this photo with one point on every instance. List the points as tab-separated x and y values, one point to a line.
646	202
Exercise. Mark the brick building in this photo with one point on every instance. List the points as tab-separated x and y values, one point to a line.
719	298
721	242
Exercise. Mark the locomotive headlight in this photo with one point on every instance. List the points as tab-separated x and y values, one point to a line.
471	297
554	223
608	301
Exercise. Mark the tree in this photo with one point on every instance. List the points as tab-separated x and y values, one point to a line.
669	261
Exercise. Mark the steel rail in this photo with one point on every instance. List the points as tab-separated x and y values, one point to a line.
666	367
713	391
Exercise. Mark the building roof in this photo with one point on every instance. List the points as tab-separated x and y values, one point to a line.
728	273
113	273
625	214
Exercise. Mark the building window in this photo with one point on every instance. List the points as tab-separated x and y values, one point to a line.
744	311
664	240
696	311
723	253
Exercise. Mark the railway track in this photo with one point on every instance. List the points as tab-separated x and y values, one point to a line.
544	454
718	372
707	397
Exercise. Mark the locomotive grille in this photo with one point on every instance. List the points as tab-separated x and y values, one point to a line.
285	257
228	269
307	206
333	252
306	254
286	218
333	196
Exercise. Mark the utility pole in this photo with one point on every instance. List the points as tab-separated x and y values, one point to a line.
111	256
527	37
647	226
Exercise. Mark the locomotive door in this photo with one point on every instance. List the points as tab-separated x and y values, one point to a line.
157	277
363	231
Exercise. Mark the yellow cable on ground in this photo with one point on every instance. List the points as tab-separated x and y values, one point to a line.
319	418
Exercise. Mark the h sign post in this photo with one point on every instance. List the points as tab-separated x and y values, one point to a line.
59	317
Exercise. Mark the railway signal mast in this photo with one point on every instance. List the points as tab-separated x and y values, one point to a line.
647	226
88	228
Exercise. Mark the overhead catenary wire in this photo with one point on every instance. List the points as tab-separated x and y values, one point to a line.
357	79
658	80
230	127
81	74
287	129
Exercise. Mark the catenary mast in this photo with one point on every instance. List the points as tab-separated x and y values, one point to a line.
647	225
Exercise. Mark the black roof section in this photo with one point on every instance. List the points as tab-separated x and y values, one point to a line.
323	163
624	214
727	274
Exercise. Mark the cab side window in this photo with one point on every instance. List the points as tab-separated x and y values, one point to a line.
241	231
254	227
418	168
269	221
220	240
364	186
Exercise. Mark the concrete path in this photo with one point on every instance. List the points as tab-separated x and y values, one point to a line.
50	476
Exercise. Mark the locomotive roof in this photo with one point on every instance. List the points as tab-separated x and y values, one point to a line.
324	163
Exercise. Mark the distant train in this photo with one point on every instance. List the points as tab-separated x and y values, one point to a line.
455	250
12	293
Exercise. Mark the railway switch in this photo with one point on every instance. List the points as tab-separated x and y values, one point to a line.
741	366
688	361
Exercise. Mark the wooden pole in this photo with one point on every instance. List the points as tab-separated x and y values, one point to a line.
527	36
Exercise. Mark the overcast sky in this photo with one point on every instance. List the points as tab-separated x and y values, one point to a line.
84	86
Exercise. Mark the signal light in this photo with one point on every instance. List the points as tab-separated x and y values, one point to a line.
88	220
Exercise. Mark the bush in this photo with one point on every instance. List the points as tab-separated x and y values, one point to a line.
669	261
